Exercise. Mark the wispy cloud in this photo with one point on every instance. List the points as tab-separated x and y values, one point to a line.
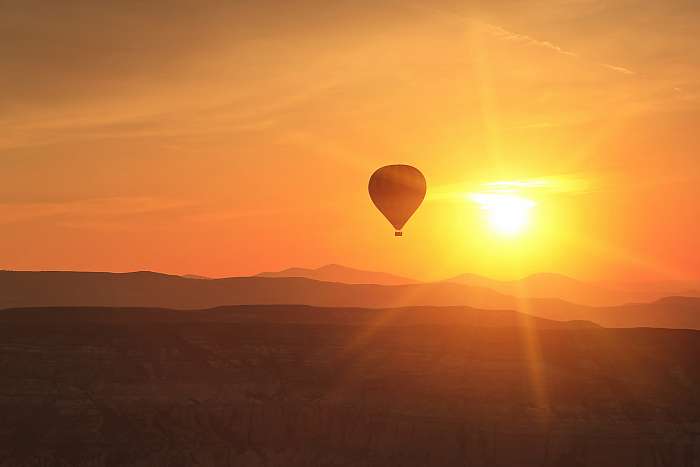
506	35
511	36
619	69
86	210
533	187
177	112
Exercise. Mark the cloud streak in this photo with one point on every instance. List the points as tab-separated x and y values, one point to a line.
116	208
532	187
619	69
510	36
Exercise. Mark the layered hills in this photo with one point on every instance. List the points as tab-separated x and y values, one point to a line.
147	289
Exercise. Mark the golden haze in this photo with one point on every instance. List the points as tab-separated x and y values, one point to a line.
226	139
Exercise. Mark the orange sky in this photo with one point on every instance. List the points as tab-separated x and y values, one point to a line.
219	139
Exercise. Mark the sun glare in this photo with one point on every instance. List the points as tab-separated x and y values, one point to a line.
507	214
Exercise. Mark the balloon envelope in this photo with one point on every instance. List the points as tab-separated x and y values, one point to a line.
397	191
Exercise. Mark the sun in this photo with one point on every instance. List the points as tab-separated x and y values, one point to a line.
508	215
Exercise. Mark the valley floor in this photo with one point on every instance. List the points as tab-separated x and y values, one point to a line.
76	392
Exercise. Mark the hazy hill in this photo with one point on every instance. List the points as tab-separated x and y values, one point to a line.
658	288
147	289
343	274
671	312
107	388
195	276
548	285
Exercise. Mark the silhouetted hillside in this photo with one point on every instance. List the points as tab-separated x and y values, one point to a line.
290	314
342	274
108	388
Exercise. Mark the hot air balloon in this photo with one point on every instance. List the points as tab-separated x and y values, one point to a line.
397	191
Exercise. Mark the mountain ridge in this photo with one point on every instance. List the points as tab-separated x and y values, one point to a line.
293	314
342	274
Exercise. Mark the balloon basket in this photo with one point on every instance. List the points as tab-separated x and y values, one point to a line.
398	234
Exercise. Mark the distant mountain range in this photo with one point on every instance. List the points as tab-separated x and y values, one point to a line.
543	285
148	289
343	274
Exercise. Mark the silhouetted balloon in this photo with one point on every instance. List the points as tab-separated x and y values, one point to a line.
397	191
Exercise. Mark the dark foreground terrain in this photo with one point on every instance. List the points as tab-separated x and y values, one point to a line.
298	386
